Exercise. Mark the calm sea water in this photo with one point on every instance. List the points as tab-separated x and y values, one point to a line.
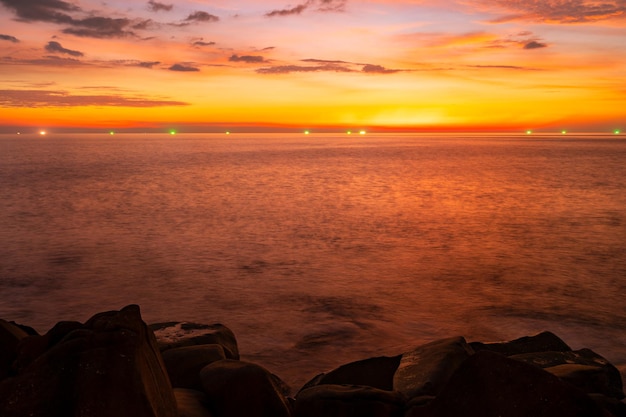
318	250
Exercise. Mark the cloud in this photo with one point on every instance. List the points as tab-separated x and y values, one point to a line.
156	6
288	69
50	98
9	38
60	12
535	45
250	59
377	69
202	43
288	12
183	68
558	11
317	5
200	16
136	63
55	47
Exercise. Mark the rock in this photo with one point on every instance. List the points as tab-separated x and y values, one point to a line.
184	364
583	368
241	389
10	337
191	403
426	369
488	384
348	401
110	366
542	342
180	334
373	372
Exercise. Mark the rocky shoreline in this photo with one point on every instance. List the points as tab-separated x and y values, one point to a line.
115	365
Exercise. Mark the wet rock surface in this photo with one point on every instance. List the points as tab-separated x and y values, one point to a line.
114	365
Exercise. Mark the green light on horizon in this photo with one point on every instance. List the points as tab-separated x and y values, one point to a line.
349	132
564	132
617	131
306	132
172	132
227	132
529	132
111	133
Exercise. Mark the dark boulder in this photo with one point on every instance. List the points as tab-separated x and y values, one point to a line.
184	364
491	385
348	401
583	368
10	337
542	342
426	369
191	403
373	372
110	366
173	335
241	389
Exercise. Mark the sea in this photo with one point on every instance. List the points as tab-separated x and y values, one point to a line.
321	249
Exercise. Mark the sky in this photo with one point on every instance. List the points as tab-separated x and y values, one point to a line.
198	65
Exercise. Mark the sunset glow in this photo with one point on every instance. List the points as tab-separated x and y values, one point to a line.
323	64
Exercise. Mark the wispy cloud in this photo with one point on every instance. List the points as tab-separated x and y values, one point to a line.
250	59
201	16
183	68
63	13
557	11
156	6
55	47
288	69
377	69
203	43
60	98
9	38
535	45
316	5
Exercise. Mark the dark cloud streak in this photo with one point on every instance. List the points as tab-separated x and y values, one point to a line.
317	5
183	68
250	59
156	6
9	38
55	47
49	98
559	11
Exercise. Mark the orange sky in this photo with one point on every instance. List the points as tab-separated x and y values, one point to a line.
411	64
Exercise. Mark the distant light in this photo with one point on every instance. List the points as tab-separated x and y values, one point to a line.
617	131
564	132
529	132
172	132
42	132
306	132
349	132
19	133
362	132
111	133
227	132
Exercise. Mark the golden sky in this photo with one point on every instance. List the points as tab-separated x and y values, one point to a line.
409	64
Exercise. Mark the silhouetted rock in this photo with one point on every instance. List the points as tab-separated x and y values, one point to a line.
373	372
542	342
238	389
583	368
180	334
184	364
348	401
425	370
109	367
191	403
10	337
488	384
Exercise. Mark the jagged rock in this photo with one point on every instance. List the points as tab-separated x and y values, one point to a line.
184	364
191	403
583	368
542	342
373	372
426	369
173	335
488	384
110	366
348	401
238	389
10	337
